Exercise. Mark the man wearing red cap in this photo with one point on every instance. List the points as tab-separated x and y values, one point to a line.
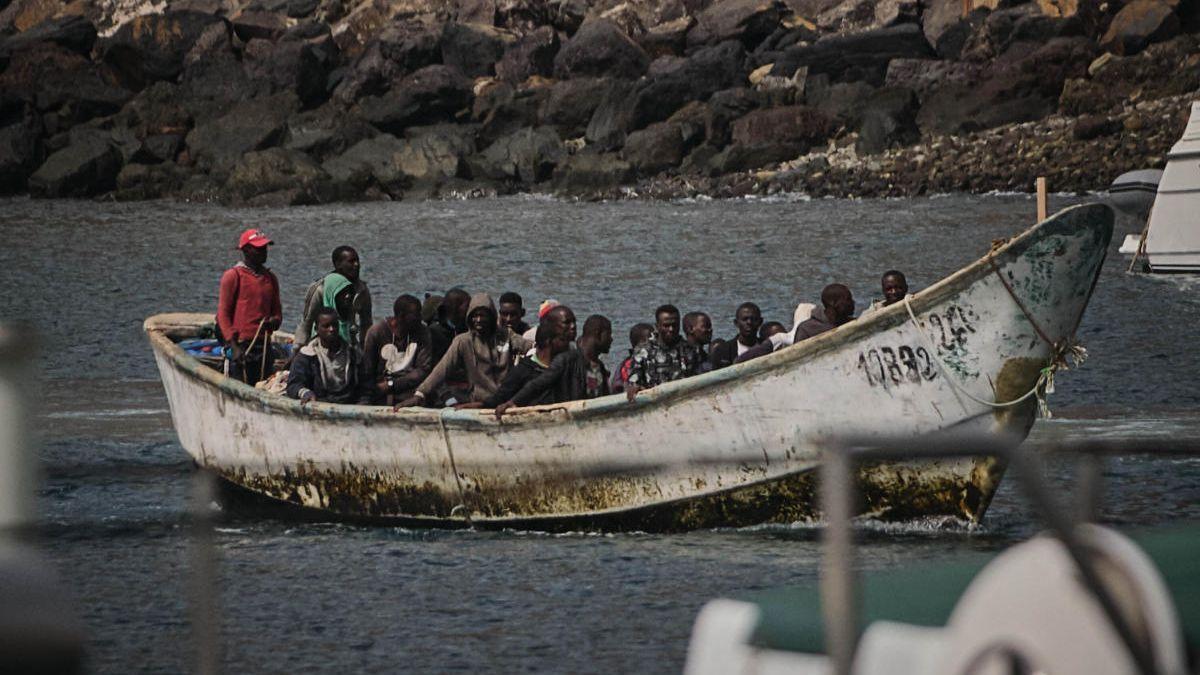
248	310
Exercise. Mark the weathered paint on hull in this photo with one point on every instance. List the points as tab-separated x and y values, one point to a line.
684	445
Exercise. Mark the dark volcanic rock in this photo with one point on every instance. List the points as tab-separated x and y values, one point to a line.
516	111
396	51
278	176
531	55
862	56
432	154
75	33
84	168
612	119
1022	24
600	49
1090	127
259	26
529	156
148	181
694	79
667	38
152	47
298	9
473	48
159	148
571	103
793	128
369	164
589	172
1138	24
325	132
21	151
657	147
944	26
726	106
1166	69
747	21
1023	87
888	118
431	95
214	77
155	110
254	125
61	81
302	66
844	101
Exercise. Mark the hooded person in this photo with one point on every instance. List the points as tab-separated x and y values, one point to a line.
335	294
485	352
357	309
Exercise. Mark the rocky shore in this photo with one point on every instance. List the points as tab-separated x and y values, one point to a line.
281	102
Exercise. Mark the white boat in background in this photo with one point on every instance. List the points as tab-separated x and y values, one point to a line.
1171	240
943	360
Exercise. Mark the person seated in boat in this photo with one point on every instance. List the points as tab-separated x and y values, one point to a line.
665	357
450	322
544	308
512	312
639	333
549	342
747	319
397	354
894	287
248	310
837	308
697	330
485	353
766	343
575	374
356	317
328	367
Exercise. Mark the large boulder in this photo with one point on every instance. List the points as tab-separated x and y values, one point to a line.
431	95
217	145
1022	24
71	32
888	119
432	154
155	111
726	106
586	173
325	132
696	78
600	49
667	38
62	82
571	104
368	164
517	110
612	119
533	54
862	56
258	25
86	167
747	21
21	15
152	47
278	177
1022	87
658	147
299	65
396	51
213	77
1138	24
1165	69
474	48
794	129
148	181
842	101
21	151
528	156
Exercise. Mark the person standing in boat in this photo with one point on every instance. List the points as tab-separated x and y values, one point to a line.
747	319
697	330
575	374
327	368
485	352
837	308
665	357
894	287
397	354
249	310
357	317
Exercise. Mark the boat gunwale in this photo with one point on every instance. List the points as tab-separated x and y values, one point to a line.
615	404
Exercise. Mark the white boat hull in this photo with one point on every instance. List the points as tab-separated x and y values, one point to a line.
1173	232
728	448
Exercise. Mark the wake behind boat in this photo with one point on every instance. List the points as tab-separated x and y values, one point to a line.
973	353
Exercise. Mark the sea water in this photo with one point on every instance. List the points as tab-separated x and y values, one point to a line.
116	484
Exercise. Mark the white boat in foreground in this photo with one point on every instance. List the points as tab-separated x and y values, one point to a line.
1171	241
985	334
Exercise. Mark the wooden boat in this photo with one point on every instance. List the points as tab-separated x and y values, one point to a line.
985	335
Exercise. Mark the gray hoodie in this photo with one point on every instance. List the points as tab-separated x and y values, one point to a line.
486	362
